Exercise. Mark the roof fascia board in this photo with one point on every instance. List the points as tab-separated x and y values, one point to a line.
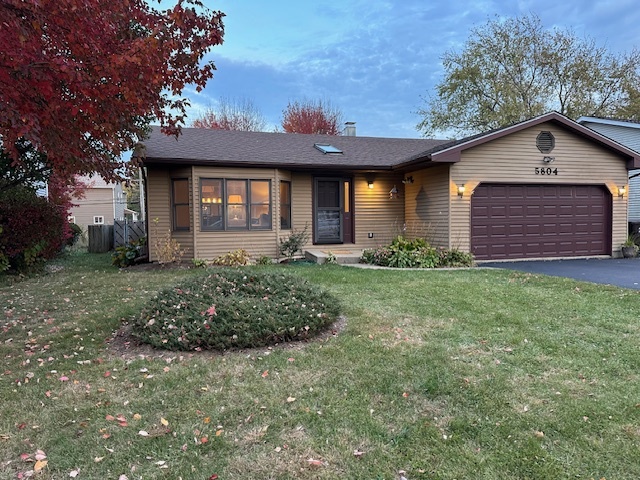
181	162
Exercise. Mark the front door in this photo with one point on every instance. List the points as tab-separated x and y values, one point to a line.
332	219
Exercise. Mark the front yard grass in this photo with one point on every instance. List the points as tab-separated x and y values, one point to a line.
440	374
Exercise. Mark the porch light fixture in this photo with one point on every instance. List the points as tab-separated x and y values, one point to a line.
622	191
370	184
393	193
461	189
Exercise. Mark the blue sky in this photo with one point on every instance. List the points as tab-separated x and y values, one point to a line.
374	60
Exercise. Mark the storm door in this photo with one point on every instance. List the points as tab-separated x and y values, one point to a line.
332	220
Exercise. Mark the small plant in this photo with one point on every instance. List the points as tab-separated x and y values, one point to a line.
416	253
199	263
631	241
237	258
289	246
264	260
76	234
126	255
331	258
235	308
167	249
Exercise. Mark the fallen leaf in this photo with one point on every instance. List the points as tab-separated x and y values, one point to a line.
64	379
121	418
143	433
109	417
137	416
98	459
74	473
357	453
123	477
40	464
107	374
265	374
207	419
538	434
164	422
315	463
204	439
291	399
405	395
219	432
213	477
40	455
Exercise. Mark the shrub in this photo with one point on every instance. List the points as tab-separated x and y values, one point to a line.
126	255
199	263
33	229
237	258
167	248
416	253
264	260
235	308
289	246
76	233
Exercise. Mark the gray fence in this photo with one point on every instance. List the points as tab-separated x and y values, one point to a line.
100	238
125	232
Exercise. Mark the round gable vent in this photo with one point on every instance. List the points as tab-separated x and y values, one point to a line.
545	141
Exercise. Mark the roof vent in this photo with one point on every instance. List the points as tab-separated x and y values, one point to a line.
545	141
328	149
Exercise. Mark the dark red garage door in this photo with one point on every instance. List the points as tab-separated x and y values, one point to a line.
532	221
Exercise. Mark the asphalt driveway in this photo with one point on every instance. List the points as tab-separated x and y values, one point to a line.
621	272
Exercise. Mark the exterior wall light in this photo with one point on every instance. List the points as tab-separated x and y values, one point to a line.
622	191
393	193
461	189
370	184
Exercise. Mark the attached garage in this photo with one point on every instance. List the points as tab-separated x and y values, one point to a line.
511	221
544	188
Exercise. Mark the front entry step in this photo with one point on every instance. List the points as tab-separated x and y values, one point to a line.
343	255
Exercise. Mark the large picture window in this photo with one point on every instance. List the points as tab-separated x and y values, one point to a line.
227	204
285	205
180	203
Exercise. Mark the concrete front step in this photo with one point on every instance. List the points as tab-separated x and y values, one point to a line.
343	255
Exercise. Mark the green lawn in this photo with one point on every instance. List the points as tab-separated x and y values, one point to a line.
441	374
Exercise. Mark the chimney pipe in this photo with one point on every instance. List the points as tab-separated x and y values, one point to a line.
349	129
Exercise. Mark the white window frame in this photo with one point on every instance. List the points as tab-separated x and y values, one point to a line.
98	220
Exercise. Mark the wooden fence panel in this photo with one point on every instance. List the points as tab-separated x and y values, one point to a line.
125	232
100	238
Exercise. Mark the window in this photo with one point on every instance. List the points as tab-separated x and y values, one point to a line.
260	204
227	204
211	207
98	220
71	219
180	203
285	205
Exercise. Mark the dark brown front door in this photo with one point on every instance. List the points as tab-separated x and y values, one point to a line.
537	221
332	218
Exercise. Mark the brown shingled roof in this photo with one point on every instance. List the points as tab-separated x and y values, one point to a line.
258	149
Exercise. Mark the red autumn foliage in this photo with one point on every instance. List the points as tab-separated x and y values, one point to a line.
317	117
79	79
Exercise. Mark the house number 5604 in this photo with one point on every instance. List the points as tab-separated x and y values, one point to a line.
546	171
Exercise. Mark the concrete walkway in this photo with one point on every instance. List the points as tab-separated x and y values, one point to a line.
620	272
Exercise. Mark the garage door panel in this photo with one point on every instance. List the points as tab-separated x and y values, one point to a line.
529	221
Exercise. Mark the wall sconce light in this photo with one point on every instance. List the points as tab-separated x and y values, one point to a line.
461	189
393	193
370	184
622	191
548	159
408	180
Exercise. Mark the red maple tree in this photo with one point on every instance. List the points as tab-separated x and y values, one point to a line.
81	79
312	117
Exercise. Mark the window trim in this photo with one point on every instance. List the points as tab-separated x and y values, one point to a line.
174	226
98	219
223	222
251	204
285	206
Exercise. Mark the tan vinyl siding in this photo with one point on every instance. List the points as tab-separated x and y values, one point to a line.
427	205
374	211
159	207
96	202
512	159
301	204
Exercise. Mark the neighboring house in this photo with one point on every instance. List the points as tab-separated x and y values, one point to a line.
628	134
102	203
547	187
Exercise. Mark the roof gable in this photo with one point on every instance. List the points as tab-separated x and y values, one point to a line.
452	152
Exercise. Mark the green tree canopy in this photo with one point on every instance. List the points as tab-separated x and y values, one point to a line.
513	69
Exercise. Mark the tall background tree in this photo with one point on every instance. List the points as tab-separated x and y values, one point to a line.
80	79
232	114
309	116
513	69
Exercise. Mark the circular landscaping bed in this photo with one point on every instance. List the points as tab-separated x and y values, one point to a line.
233	308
